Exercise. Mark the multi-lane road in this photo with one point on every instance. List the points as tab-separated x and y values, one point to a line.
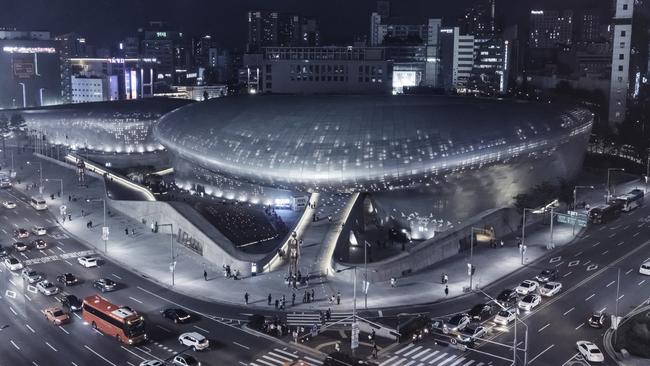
28	339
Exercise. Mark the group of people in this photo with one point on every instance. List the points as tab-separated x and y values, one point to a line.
275	327
229	273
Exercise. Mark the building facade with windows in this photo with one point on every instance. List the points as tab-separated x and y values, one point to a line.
621	46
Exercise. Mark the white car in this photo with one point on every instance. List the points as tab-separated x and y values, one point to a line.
529	302
9	204
88	261
505	317
185	360
527	287
550	289
13	264
39	230
645	269
47	288
31	276
195	340
152	363
590	351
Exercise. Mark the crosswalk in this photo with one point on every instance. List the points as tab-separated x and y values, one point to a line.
413	355
281	357
308	319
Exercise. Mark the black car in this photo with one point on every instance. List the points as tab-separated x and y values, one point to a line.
67	279
481	312
4	251
596	320
105	284
176	315
508	296
547	275
71	302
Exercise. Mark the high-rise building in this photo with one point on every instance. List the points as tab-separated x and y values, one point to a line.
129	47
619	82
479	20
162	42
70	45
590	26
383	9
489	72
273	29
389	31
550	28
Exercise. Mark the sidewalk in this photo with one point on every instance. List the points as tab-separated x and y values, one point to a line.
148	253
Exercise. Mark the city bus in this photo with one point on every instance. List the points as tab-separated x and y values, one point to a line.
119	322
631	200
38	203
604	213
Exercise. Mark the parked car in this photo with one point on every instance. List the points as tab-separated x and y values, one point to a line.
194	340
13	264
505	317
88	261
9	204
105	285
71	302
529	302
31	276
39	230
527	287
590	351
457	323
597	320
550	289
67	279
56	315
39	244
47	288
508	296
19	246
549	274
176	315
21	233
185	360
645	269
481	312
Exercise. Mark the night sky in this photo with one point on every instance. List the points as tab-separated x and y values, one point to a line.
105	22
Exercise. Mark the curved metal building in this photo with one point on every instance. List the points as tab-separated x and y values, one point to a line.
116	126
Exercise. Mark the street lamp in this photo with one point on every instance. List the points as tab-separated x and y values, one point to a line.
365	273
551	206
470	266
40	93
56	180
609	171
172	263
355	327
575	202
40	171
104	228
24	95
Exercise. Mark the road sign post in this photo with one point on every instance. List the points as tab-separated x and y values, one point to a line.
355	335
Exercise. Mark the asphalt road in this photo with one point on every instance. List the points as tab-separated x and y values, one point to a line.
588	271
28	339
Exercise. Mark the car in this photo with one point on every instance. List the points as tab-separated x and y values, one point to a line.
645	269
457	323
4	251
47	288
176	315
9	204
39	244
13	264
185	360
597	320
471	333
39	230
529	302
416	328
508	296
505	317
550	289
152	363
194	340
590	351
104	284
88	261
527	287
21	233
67	279
71	302
481	312
31	276
549	274
56	315
19	246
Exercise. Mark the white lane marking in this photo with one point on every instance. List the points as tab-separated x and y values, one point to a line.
64	331
100	356
566	274
199	328
541	353
603	309
587	299
15	345
595	245
605	252
577	254
568	311
12	282
412	351
612	235
13	311
133	353
390	360
136	300
116	276
619	244
640	283
579	326
246	347
77	315
30	328
67	262
620	297
59	248
49	345
544	327
163	328
637	233
27	297
405	348
628	272
611	283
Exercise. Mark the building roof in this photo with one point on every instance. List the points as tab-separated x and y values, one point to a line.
154	105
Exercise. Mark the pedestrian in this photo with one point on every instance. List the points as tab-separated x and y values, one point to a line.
304	297
393	282
69	217
205	275
82	213
446	290
69	198
442	278
328	314
246	298
446	279
132	231
308	298
269	298
126	231
293	299
152	227
313	295
338	298
277	304
501	243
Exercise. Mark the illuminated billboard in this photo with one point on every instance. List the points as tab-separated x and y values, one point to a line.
23	67
403	79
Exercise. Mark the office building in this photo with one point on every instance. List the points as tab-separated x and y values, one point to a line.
273	29
550	28
163	43
479	19
86	89
619	81
457	59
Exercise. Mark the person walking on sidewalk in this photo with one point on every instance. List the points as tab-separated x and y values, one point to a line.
374	350
205	275
277	304
293	299
269	298
338	298
446	290
446	278
246	298
126	231
313	296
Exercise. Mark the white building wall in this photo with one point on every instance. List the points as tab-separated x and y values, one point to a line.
86	90
463	59
619	82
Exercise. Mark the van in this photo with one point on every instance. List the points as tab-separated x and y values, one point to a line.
38	203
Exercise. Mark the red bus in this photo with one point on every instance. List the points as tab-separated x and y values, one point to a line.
120	322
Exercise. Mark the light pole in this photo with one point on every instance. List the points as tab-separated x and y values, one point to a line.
354	308
609	171
575	202
40	93
470	266
172	264
24	95
56	180
104	228
40	171
365	273
550	206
